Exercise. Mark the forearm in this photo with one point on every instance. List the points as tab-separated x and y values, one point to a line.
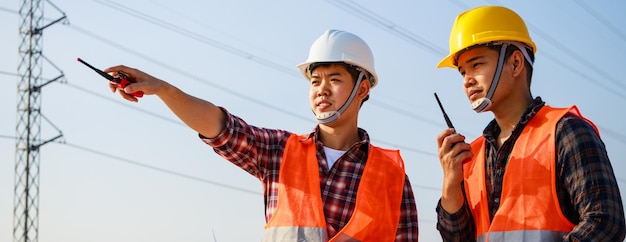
200	115
452	198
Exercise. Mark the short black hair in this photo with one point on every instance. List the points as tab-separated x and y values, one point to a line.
509	51
353	70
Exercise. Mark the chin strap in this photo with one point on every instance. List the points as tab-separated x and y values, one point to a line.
328	117
484	104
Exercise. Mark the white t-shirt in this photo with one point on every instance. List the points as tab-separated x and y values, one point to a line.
332	156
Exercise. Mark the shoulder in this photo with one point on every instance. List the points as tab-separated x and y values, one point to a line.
578	141
573	125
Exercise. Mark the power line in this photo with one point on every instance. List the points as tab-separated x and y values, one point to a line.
182	124
9	73
174	173
375	19
253	100
133	107
198	37
237	51
584	75
189	75
8	137
8	10
162	170
619	137
193	35
355	8
601	19
573	56
203	24
372	17
170	172
150	167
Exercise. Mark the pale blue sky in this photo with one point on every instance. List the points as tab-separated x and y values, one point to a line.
133	172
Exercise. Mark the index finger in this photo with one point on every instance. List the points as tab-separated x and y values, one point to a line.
122	68
443	135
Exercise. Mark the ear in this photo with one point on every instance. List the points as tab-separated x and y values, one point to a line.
364	88
517	59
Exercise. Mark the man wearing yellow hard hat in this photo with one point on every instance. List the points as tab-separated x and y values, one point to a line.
538	173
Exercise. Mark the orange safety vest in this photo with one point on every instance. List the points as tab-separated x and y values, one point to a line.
529	207
299	214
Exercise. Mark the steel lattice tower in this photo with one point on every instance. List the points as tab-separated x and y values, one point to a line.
26	193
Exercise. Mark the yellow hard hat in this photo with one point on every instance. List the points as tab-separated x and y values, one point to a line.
483	25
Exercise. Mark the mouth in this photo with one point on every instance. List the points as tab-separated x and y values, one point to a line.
323	106
473	94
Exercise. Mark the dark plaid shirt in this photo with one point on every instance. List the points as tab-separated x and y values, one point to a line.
259	152
586	186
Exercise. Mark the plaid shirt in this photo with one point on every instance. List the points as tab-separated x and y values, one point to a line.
586	186
259	152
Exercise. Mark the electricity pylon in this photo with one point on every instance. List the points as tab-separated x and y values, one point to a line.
26	193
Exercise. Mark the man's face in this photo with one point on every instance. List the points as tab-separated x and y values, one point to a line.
330	88
477	66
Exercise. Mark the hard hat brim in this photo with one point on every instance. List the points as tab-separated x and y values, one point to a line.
447	62
304	66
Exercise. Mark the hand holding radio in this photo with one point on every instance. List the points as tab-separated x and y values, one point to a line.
120	81
456	139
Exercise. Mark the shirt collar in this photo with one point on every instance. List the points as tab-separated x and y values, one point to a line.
365	138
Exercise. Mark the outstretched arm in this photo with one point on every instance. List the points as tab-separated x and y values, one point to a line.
200	115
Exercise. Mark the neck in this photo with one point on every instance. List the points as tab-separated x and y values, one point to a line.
338	138
508	114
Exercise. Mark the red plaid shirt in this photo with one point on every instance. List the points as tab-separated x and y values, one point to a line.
259	152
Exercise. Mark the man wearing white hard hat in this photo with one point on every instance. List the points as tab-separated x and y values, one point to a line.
328	185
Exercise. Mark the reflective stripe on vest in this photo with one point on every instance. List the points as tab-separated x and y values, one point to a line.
299	213
529	207
523	235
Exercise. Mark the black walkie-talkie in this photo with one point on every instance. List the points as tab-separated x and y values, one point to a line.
445	116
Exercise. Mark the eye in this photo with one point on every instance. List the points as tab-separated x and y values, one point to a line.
315	82
476	64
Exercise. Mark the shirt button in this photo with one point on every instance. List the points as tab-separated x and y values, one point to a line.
328	183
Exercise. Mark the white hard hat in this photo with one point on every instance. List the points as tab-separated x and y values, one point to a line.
341	46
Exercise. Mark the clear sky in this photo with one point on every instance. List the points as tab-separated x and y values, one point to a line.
133	172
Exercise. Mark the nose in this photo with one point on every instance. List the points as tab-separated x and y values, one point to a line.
468	80
322	88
